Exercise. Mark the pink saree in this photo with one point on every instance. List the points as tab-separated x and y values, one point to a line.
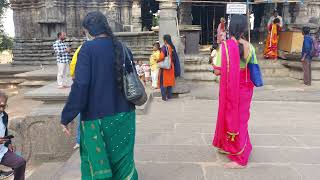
236	90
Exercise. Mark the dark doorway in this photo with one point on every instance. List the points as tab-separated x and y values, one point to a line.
148	8
208	17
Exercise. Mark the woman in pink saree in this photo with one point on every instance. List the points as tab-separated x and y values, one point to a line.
236	90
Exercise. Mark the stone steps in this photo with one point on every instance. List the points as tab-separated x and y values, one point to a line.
33	84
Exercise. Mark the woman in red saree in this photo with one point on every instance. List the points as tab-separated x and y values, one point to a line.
271	48
236	90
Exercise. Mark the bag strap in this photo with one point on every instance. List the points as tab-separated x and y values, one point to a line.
126	55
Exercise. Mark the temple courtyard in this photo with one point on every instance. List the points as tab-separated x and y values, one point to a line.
173	140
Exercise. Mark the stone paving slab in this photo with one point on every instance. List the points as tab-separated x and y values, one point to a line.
172	153
173	142
261	172
170	171
308	172
285	90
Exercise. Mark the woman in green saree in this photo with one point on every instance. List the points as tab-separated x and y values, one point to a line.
107	119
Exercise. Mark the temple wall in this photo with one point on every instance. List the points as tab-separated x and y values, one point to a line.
38	21
40	51
44	18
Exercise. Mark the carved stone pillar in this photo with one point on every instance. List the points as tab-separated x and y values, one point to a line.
136	21
302	14
125	12
168	25
185	13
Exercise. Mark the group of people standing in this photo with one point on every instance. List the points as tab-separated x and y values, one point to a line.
107	127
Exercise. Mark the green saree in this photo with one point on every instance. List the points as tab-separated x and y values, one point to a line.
107	148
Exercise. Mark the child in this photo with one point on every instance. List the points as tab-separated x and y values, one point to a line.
140	71
8	157
147	73
154	58
307	55
214	52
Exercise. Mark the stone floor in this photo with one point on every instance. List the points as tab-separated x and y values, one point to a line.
173	139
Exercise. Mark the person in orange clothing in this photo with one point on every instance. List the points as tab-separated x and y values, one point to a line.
167	76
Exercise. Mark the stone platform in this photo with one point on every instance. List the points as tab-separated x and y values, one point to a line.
45	73
173	142
50	94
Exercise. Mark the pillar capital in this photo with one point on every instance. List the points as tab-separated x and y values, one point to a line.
167	4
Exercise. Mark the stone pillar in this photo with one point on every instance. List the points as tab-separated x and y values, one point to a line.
185	13
286	14
302	14
125	12
136	21
168	25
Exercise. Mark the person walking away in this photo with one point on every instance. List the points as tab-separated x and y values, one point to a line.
8	157
236	90
107	118
62	55
306	55
271	48
167	76
154	58
221	31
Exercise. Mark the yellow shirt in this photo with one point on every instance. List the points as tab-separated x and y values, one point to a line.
74	62
154	58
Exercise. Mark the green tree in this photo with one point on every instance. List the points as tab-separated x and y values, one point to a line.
6	42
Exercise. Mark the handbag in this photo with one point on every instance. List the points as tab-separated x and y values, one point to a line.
166	63
255	72
133	88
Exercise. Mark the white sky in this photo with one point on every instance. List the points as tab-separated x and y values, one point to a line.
8	23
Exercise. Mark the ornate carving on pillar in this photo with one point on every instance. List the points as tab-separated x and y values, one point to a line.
309	10
185	13
125	12
136	21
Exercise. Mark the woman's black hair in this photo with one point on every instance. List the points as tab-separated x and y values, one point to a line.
306	30
167	38
238	27
97	24
215	46
276	20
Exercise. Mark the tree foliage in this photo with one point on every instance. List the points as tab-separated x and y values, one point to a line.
6	42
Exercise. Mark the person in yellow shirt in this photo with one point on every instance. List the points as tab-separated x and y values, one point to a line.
154	58
74	62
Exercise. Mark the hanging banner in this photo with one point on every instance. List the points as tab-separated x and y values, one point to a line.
236	9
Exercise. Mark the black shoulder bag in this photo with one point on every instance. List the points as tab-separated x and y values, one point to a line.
132	86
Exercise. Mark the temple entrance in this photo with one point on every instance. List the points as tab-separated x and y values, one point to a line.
148	8
208	17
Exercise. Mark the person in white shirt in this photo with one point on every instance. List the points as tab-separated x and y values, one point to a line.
272	18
